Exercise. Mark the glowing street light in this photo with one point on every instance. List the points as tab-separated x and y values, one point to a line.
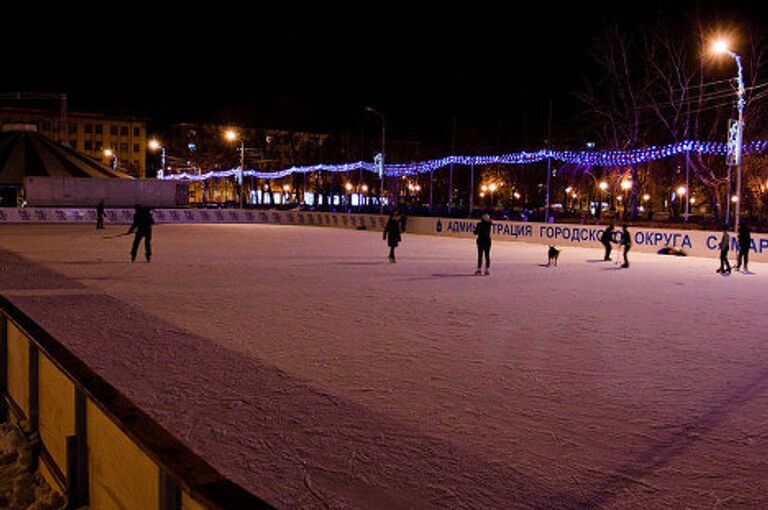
348	186
231	135
735	199
111	154
603	185
153	145
681	190
516	195
646	197
492	187
722	47
626	185
568	189
365	188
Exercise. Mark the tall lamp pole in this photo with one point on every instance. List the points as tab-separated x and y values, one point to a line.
154	145
383	152
232	135
721	47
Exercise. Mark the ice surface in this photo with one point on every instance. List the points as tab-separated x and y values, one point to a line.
307	368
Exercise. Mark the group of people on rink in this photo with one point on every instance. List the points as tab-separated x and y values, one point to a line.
482	230
745	241
608	238
143	221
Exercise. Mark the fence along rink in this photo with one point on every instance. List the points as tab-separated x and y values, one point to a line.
695	242
91	443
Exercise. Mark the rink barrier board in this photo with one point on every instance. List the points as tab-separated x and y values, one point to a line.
699	243
90	443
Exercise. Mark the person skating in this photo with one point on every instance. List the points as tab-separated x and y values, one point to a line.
626	242
745	242
142	226
606	239
100	215
392	234
483	232
403	221
724	245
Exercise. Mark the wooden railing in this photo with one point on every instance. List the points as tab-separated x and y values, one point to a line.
90	442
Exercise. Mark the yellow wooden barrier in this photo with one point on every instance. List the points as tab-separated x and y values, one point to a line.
121	476
18	368
57	412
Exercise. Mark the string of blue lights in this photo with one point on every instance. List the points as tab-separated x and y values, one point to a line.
609	158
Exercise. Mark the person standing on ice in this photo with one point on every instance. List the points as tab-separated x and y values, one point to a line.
745	242
724	245
142	225
392	234
483	232
100	215
606	239
626	242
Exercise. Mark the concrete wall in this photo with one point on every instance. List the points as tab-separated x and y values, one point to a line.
80	192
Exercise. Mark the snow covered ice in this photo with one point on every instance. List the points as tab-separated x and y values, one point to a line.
304	366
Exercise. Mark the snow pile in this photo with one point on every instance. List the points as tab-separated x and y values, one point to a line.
20	488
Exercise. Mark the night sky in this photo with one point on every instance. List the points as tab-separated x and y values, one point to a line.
316	67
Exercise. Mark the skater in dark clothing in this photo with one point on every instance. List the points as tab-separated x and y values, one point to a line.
483	232
392	234
745	241
607	239
626	242
100	215
403	221
142	226
724	245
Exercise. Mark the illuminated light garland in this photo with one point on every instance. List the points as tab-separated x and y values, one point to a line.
608	158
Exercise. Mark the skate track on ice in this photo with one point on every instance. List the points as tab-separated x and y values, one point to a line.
409	385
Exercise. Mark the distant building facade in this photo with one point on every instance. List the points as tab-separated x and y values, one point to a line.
90	134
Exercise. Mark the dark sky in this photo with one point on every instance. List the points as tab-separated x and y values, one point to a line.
317	66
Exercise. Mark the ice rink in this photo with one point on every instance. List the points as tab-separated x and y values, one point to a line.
304	366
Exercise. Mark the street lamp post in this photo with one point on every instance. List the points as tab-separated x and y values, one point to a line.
231	135
154	145
721	47
603	188
383	152
113	155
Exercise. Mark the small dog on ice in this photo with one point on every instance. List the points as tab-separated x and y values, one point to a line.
552	255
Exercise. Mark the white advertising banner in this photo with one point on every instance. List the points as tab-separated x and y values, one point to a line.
699	243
